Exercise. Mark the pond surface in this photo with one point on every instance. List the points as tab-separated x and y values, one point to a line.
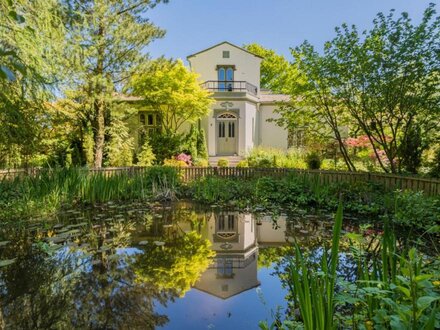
145	266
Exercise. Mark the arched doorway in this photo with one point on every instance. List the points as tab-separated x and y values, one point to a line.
227	133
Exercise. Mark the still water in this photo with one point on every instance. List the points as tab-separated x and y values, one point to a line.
146	266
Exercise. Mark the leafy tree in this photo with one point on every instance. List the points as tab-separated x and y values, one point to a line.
277	74
31	40
109	38
386	81
170	88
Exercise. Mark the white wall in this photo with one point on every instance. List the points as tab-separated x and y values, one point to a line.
271	135
250	127
247	65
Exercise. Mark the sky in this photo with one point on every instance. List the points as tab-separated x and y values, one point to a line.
194	25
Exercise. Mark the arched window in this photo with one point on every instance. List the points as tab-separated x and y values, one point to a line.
227	115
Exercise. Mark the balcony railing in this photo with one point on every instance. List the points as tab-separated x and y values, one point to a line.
230	86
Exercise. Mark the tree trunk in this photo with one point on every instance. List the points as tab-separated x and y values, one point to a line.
98	133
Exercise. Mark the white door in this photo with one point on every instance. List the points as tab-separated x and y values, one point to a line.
227	134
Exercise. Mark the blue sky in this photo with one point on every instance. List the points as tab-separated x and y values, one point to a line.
193	25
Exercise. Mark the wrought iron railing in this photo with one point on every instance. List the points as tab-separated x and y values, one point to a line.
230	86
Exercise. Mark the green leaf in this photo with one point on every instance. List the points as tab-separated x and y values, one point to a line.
18	18
425	301
6	262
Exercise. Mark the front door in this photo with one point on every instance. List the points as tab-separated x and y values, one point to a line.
227	136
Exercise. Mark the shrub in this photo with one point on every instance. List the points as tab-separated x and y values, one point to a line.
223	162
174	163
184	158
165	146
201	162
313	161
435	165
243	163
202	149
272	157
146	157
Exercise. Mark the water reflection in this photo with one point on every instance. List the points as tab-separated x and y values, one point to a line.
119	266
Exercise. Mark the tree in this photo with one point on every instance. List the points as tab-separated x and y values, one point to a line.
31	40
277	74
175	92
109	38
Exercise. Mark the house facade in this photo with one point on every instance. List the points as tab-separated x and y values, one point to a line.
239	118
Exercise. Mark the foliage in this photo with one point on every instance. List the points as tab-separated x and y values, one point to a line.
146	156
108	41
412	209
277	75
165	146
202	148
314	291
173	162
120	147
391	288
435	166
383	83
174	91
184	158
243	163
223	162
48	190
272	157
201	162
313	161
31	58
177	265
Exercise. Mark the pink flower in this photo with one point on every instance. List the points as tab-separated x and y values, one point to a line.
184	158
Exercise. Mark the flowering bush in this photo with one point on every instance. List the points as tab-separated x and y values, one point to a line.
184	158
174	163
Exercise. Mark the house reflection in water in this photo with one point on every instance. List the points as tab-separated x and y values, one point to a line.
235	238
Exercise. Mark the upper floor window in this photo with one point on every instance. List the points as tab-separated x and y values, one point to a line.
226	54
225	75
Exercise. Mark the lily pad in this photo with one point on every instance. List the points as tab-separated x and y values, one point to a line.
6	262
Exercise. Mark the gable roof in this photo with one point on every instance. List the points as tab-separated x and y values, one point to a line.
221	43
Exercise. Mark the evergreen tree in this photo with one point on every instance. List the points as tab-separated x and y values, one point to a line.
108	39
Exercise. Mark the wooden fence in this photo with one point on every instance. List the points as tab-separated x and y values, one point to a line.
430	187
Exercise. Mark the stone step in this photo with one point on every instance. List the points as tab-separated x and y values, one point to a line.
233	160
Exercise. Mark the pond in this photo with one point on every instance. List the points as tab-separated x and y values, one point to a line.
146	265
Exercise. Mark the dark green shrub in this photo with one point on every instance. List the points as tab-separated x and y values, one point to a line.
165	146
313	161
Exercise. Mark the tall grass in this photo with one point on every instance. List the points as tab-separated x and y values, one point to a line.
314	290
394	288
48	190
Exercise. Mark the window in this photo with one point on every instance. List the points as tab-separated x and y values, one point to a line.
226	54
231	221
150	123
221	222
231	129
225	77
221	129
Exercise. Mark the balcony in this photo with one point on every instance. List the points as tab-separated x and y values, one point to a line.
230	86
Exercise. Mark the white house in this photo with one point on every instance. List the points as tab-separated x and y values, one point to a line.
238	121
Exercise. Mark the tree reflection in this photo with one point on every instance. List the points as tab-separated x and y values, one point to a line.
84	276
177	265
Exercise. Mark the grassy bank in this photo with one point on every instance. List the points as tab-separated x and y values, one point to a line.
47	192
